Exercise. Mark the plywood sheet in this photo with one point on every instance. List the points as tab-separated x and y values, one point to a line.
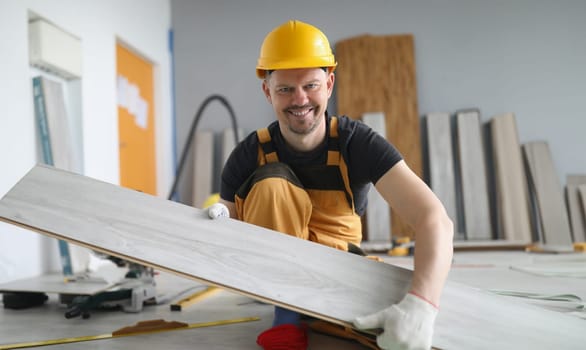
577	217
378	214
301	275
547	193
442	178
512	196
472	170
377	74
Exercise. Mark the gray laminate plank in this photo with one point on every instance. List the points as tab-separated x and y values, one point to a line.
512	194
228	143
582	197
267	265
577	218
54	283
547	192
182	239
203	167
472	169
463	323
58	123
442	178
378	217
63	154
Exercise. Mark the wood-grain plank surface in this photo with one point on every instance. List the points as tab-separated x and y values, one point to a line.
231	254
512	195
203	167
442	178
472	161
582	200
577	218
377	74
55	283
378	214
267	265
547	191
471	318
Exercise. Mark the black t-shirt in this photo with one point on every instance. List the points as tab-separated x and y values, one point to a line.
367	154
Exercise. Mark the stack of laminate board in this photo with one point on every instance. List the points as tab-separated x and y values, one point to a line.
269	266
493	187
496	188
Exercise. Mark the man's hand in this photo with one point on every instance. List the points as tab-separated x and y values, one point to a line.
408	325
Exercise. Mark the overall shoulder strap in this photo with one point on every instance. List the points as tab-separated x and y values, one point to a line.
266	150
335	158
333	143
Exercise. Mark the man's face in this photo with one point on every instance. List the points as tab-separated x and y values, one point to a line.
299	97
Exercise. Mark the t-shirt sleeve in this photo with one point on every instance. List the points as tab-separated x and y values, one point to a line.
240	164
370	154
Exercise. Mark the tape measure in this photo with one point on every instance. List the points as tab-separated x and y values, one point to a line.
143	327
192	299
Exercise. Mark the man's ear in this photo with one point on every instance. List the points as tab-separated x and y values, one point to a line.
330	83
266	90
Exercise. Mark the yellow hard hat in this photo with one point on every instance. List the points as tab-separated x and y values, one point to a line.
295	44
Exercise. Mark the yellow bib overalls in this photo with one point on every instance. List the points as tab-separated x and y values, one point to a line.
322	211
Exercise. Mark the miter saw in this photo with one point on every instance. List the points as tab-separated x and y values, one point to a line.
130	294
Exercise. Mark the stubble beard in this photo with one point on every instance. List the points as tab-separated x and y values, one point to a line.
308	126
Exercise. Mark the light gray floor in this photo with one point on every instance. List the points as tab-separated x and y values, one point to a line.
485	270
48	322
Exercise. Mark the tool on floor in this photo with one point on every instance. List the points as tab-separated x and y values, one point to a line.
131	294
343	332
194	298
23	300
577	247
143	327
580	247
402	246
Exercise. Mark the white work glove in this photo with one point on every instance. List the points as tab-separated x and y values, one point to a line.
218	210
407	325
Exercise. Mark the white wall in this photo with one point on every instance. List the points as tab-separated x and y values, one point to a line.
522	56
144	24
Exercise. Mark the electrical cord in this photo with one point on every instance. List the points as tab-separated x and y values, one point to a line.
191	134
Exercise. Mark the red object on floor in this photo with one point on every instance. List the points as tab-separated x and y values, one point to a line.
283	337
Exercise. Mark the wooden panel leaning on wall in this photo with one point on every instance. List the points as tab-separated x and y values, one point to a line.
512	194
547	191
575	208
377	74
473	176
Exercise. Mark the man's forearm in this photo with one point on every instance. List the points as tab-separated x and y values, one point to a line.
433	257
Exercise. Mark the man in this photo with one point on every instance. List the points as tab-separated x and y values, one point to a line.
308	174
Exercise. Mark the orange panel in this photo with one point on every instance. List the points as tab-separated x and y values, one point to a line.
136	122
